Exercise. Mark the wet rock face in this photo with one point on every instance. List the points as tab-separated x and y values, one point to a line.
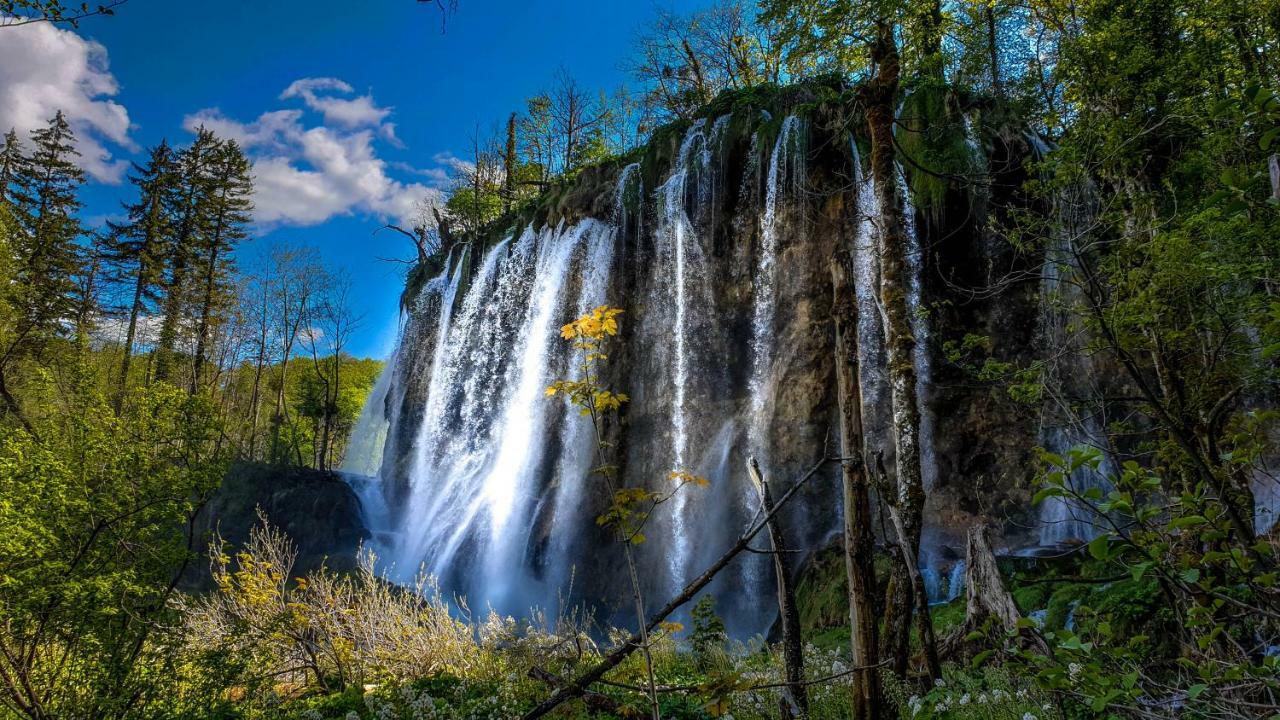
317	510
719	244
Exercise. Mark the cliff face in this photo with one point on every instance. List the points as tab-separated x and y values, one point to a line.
715	240
317	510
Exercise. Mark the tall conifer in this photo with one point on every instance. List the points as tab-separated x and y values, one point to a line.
137	248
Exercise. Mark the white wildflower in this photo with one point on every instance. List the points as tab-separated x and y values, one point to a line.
1028	716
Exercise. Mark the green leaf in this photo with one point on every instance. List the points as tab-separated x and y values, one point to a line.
1044	493
1100	547
1187	521
1190	575
1194	691
981	658
1138	570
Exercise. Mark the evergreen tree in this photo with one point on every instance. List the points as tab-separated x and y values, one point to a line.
188	212
227	211
137	248
10	160
47	258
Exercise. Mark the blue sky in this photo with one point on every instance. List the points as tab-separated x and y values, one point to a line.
333	158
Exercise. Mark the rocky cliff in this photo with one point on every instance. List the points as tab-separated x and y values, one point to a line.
317	510
715	239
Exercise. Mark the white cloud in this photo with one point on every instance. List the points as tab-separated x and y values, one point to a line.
305	175
43	69
345	112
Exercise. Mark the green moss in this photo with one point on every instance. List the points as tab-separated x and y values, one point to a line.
821	593
947	616
934	143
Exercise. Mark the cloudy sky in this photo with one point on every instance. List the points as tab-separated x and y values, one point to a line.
351	112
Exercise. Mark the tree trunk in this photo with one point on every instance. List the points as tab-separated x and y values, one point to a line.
859	539
510	160
172	317
135	310
986	597
908	501
993	48
206	306
255	398
795	697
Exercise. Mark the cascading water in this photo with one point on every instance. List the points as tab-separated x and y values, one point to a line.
681	255
784	163
363	455
866	264
942	588
474	480
577	438
920	357
1070	424
1064	520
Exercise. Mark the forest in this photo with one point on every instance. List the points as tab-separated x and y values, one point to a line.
854	359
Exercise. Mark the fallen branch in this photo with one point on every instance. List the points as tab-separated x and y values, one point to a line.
578	686
795	699
593	700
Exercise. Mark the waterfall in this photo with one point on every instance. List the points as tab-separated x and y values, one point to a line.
1266	501
480	477
873	323
683	262
363	456
1063	520
920	357
940	588
866	270
1070	424
781	167
578	441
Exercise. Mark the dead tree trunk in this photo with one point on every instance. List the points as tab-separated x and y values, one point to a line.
795	696
859	540
987	600
1273	164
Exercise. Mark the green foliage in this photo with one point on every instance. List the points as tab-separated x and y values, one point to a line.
95	508
1163	625
990	693
934	138
708	636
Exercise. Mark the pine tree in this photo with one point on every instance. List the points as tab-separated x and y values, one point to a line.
11	160
227	213
137	248
187	210
47	258
45	197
